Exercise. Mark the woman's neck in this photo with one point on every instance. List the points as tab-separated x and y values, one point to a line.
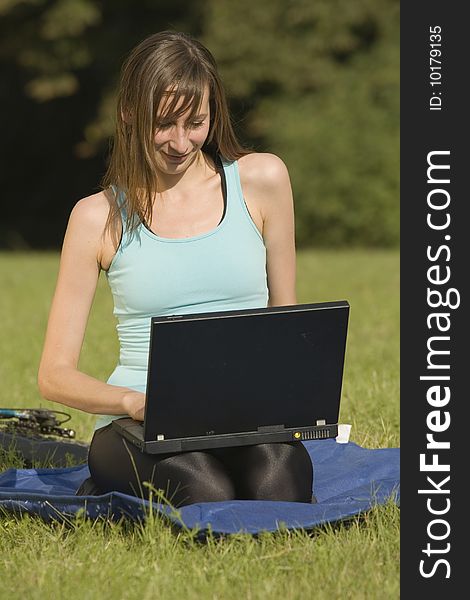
202	167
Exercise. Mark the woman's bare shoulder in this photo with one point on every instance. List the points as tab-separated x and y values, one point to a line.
92	211
262	169
265	182
88	223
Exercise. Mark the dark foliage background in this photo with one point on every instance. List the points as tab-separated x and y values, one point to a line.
314	82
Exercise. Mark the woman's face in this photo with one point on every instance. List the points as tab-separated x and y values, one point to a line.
178	142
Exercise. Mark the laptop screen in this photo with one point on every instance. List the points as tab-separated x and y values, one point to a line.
239	371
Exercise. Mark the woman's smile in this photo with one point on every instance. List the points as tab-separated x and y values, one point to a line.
176	159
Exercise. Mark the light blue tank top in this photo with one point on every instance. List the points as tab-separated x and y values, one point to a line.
223	269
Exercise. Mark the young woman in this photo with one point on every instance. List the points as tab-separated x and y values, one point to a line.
188	221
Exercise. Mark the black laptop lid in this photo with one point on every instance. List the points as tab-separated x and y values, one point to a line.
237	371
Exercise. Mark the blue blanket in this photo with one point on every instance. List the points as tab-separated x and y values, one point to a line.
348	480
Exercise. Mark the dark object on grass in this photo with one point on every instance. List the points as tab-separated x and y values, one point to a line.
37	436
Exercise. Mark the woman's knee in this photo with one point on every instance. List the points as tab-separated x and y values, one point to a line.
116	465
194	477
279	472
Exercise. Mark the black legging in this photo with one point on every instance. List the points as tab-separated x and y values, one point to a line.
280	471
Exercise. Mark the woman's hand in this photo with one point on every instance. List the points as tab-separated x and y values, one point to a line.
134	405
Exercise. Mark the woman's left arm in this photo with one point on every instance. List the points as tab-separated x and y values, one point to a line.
269	185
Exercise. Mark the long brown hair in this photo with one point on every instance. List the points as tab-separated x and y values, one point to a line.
164	61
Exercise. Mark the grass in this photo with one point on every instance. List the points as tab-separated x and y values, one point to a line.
90	560
83	559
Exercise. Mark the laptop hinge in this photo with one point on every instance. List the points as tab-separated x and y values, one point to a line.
269	428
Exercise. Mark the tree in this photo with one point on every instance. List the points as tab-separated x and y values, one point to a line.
319	85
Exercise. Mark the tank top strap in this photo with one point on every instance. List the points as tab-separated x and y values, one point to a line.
233	184
126	235
121	202
236	206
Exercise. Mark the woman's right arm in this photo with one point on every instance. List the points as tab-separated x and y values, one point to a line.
59	379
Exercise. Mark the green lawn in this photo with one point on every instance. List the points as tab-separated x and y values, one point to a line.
358	559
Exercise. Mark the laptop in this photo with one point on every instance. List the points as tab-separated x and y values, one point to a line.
243	377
